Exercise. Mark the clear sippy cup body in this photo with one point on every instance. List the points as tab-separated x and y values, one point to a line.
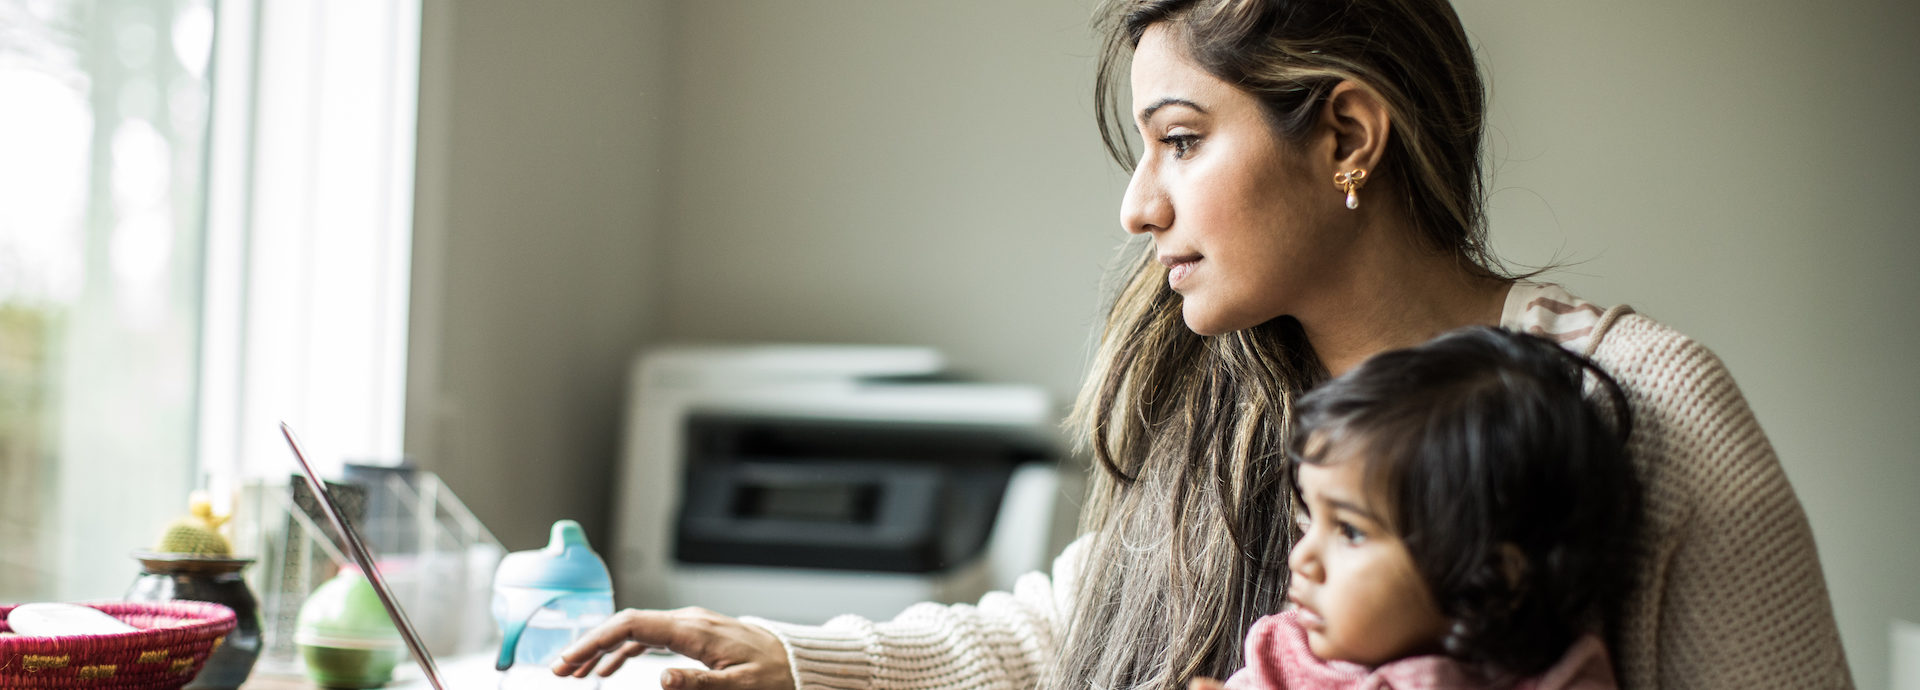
548	631
545	599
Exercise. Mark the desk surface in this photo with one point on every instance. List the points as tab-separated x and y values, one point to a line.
476	673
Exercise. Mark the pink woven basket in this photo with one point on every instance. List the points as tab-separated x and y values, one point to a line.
174	640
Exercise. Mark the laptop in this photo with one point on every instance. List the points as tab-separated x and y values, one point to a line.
358	552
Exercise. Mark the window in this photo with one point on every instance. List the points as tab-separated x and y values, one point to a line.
204	228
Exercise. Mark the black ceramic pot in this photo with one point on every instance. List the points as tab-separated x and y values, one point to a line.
170	576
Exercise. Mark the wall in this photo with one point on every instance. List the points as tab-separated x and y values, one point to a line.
606	175
535	275
891	172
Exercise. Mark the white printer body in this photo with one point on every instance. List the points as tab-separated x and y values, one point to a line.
798	482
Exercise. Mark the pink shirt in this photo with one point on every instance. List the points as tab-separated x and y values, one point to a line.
1278	659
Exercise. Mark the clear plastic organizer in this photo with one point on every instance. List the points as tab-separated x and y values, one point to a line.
430	548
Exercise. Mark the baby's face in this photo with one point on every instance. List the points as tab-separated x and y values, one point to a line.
1354	583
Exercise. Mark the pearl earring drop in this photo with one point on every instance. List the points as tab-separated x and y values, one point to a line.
1350	183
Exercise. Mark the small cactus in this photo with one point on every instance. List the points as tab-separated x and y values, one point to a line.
197	534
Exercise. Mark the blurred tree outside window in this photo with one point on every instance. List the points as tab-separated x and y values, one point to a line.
102	160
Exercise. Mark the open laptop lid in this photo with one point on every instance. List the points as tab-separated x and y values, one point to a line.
358	552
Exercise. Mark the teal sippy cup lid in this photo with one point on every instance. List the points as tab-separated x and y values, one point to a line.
567	564
526	581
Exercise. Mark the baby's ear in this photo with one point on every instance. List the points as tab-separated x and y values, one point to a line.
1513	567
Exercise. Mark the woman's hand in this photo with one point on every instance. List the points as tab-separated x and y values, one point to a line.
1205	684
738	656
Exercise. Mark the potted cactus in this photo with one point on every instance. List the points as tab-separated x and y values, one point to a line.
194	561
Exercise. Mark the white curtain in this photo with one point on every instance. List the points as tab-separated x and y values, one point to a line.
310	216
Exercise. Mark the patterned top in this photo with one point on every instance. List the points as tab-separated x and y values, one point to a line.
1544	309
1728	591
1278	658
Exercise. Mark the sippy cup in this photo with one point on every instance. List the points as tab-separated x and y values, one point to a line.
544	600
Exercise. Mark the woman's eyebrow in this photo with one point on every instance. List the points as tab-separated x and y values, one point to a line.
1146	114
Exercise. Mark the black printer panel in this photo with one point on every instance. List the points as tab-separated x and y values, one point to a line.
842	495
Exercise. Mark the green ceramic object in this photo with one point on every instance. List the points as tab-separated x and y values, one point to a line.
338	667
345	636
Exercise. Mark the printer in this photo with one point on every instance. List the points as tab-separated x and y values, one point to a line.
798	482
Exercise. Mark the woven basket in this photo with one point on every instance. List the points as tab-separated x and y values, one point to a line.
174	640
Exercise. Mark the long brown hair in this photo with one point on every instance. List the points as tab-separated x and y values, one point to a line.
1187	520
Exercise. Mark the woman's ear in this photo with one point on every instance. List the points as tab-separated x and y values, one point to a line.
1359	123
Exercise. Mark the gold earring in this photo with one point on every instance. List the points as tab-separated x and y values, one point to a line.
1350	182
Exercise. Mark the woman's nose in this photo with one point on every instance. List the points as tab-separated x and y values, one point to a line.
1146	208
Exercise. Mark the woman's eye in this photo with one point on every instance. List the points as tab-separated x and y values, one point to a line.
1182	144
1352	534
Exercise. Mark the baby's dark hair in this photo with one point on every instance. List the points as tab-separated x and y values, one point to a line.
1511	488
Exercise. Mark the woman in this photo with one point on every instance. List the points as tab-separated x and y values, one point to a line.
1311	184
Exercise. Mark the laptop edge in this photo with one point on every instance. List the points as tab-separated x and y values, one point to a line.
358	551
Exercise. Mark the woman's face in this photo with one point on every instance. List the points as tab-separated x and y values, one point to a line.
1354	583
1243	221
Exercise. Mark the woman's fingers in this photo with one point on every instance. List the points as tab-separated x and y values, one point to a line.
618	658
742	677
579	669
630	630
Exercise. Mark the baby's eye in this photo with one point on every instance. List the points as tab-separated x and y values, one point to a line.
1352	534
1182	144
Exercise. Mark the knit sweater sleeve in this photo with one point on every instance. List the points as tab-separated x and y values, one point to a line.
1001	643
1729	593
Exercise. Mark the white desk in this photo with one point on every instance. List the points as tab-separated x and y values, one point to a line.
476	673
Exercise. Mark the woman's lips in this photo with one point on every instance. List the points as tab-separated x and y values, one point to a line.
1179	267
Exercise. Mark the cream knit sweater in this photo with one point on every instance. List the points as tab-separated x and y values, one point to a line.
1730	593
